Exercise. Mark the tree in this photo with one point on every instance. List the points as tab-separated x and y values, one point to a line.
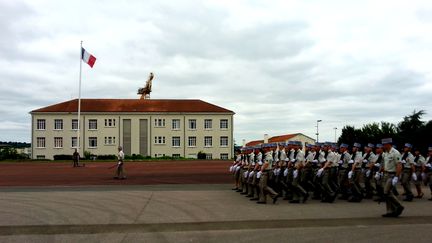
408	128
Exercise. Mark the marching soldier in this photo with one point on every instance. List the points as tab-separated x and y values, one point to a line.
263	184
378	169
233	169
392	171
307	172
327	162
367	166
408	172
427	169
354	175
419	162
288	172
316	166
251	174
343	171
298	163
256	176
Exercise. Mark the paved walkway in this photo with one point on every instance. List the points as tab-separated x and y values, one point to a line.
197	213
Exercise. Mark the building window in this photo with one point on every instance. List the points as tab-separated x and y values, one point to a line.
159	123
176	124
224	141
110	122
40	156
58	142
224	123
58	124
209	156
109	140
176	141
192	124
40	124
208	141
92	124
192	141
224	156
92	142
176	156
159	140
208	124
74	124
74	142
40	142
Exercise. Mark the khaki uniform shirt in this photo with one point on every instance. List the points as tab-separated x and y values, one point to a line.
391	159
346	158
409	160
300	158
269	160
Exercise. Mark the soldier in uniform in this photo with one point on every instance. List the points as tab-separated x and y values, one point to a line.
408	173
392	171
327	162
120	173
281	186
344	168
354	175
298	163
419	162
288	172
307	174
316	166
233	168
75	158
257	175
427	170
263	184
367	167
378	169
251	174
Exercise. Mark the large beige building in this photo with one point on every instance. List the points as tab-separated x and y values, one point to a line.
149	127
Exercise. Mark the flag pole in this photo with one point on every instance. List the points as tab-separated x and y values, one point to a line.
79	105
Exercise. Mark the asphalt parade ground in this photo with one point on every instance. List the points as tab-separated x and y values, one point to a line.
196	212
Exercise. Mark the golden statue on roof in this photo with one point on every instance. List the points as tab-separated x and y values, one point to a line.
145	92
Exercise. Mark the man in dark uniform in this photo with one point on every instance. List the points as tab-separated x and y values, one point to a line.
75	158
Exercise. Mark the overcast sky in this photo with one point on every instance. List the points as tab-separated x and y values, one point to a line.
280	65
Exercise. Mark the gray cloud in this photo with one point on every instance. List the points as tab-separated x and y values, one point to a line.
280	67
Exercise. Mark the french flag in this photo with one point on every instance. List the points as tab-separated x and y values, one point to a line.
87	57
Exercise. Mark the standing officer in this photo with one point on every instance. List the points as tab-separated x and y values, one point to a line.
75	158
408	172
120	174
392	171
263	184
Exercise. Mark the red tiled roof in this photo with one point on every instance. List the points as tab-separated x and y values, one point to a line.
134	105
281	138
253	143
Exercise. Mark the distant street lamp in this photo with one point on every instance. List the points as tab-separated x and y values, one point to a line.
335	134
317	133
